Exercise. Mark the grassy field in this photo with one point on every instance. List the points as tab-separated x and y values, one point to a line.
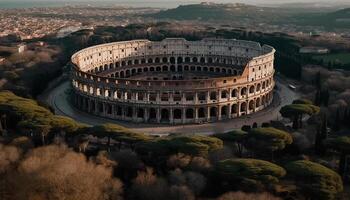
343	58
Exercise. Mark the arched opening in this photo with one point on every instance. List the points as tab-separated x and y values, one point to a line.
140	113
201	113
172	68
165	68
189	113
179	60
177	114
251	105
136	62
158	69
92	106
164	115
172	60
152	114
257	103
234	93
202	60
150	60
195	59
243	107
187	60
213	112
243	91
224	94
109	109
212	95
258	87
224	111
251	89
164	59
119	110
234	109
129	111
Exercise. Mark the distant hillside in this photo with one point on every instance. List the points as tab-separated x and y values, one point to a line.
211	11
331	20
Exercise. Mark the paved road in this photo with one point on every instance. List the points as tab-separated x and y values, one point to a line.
58	99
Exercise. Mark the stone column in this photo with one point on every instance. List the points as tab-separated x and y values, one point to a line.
158	115
196	114
171	116
219	112
183	115
208	113
145	115
229	111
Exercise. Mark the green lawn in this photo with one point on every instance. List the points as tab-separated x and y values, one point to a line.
343	58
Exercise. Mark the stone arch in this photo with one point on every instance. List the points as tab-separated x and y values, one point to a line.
150	60
213	95
164	115
217	69
152	114
177	114
202	60
243	91
151	69
187	60
157	60
136	62
129	62
243	107
164	59
143	61
251	89
213	112
234	109
224	112
172	68
145	69
234	93
133	71
172	60
165	68
258	86
189	113
195	59
179	60
201	113
257	102
140	112
251	105
224	94
158	69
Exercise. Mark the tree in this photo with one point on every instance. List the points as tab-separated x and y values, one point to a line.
341	145
247	196
249	170
321	135
314	180
268	139
297	109
55	172
118	133
238	137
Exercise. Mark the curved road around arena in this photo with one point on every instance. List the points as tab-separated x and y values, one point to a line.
58	98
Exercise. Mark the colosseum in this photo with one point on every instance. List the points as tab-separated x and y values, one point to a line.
173	81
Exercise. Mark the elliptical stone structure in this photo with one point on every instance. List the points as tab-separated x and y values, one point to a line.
173	81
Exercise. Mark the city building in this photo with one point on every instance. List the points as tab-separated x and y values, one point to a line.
173	81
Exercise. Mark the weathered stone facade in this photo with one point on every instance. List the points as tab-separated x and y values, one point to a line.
173	81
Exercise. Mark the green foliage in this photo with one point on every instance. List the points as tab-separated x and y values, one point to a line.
232	136
192	145
298	109
118	133
341	144
302	101
29	114
315	180
243	169
268	138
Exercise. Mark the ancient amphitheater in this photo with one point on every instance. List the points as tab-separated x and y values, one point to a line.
173	81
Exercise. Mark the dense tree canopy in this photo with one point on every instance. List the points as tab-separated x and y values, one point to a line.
192	145
258	170
342	145
297	109
315	180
